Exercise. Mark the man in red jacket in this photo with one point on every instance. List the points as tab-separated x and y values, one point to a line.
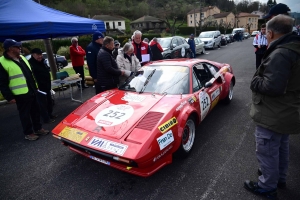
140	47
77	54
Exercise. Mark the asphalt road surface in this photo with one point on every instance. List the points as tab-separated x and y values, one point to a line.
222	158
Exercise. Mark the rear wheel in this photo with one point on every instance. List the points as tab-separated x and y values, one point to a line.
187	138
229	96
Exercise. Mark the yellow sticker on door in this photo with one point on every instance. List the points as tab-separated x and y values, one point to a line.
167	125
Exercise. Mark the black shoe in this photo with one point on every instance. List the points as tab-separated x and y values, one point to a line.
280	185
255	189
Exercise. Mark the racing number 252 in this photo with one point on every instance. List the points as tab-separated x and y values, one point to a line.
113	114
205	103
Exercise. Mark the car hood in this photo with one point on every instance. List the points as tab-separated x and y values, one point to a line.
114	114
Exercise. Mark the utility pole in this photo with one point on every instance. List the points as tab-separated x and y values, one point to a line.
200	21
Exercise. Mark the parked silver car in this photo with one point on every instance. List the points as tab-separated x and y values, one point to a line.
200	49
211	39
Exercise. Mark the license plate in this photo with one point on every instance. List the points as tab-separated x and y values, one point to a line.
100	160
73	134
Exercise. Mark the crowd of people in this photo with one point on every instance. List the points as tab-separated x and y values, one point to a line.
275	87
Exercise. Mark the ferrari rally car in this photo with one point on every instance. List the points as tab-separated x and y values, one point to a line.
154	114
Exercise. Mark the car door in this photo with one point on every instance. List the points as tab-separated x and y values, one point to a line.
210	91
175	53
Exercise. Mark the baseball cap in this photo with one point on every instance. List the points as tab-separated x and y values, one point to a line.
37	51
277	9
11	43
97	35
116	42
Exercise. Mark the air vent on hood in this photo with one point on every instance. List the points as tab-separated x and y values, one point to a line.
84	108
149	121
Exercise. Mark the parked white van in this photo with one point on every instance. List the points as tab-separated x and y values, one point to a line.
211	39
238	29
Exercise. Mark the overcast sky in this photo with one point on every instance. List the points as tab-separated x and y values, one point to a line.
294	5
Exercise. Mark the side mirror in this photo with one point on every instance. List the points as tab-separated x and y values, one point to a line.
208	84
174	45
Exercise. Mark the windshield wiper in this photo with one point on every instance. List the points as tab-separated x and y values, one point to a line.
147	81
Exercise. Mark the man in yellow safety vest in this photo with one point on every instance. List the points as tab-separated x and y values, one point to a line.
17	85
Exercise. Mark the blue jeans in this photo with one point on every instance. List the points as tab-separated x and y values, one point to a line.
272	152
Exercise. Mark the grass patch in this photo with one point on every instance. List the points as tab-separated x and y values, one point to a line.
71	71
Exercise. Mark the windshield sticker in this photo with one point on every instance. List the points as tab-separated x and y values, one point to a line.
205	103
166	139
133	98
114	115
215	94
181	105
167	125
107	145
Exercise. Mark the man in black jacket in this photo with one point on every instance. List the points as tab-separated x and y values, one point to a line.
107	69
43	79
91	54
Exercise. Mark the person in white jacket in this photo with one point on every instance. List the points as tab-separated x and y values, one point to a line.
260	44
127	61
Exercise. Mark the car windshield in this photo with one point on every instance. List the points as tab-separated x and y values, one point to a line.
160	79
206	35
164	42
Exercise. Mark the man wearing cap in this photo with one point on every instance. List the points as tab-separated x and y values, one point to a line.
17	85
43	79
77	54
275	106
191	42
116	49
91	54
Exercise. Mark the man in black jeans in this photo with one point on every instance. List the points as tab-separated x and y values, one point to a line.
18	86
43	79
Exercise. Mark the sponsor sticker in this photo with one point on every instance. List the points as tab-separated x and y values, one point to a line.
192	99
162	154
167	125
107	145
72	134
100	160
215	94
133	98
166	139
114	115
181	105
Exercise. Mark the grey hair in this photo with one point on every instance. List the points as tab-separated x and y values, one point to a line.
74	38
107	40
280	24
128	47
154	39
137	32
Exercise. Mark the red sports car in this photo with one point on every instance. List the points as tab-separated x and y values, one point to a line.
137	127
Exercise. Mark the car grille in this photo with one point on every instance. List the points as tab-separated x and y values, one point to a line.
149	121
205	42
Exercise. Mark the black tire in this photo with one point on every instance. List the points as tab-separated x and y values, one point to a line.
188	54
229	96
187	138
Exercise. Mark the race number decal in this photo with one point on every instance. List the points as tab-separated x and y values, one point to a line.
205	103
182	52
114	115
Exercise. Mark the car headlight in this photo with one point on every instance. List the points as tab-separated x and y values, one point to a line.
211	41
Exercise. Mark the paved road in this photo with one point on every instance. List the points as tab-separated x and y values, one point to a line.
223	157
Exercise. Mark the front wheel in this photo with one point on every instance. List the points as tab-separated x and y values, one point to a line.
60	65
187	138
229	96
